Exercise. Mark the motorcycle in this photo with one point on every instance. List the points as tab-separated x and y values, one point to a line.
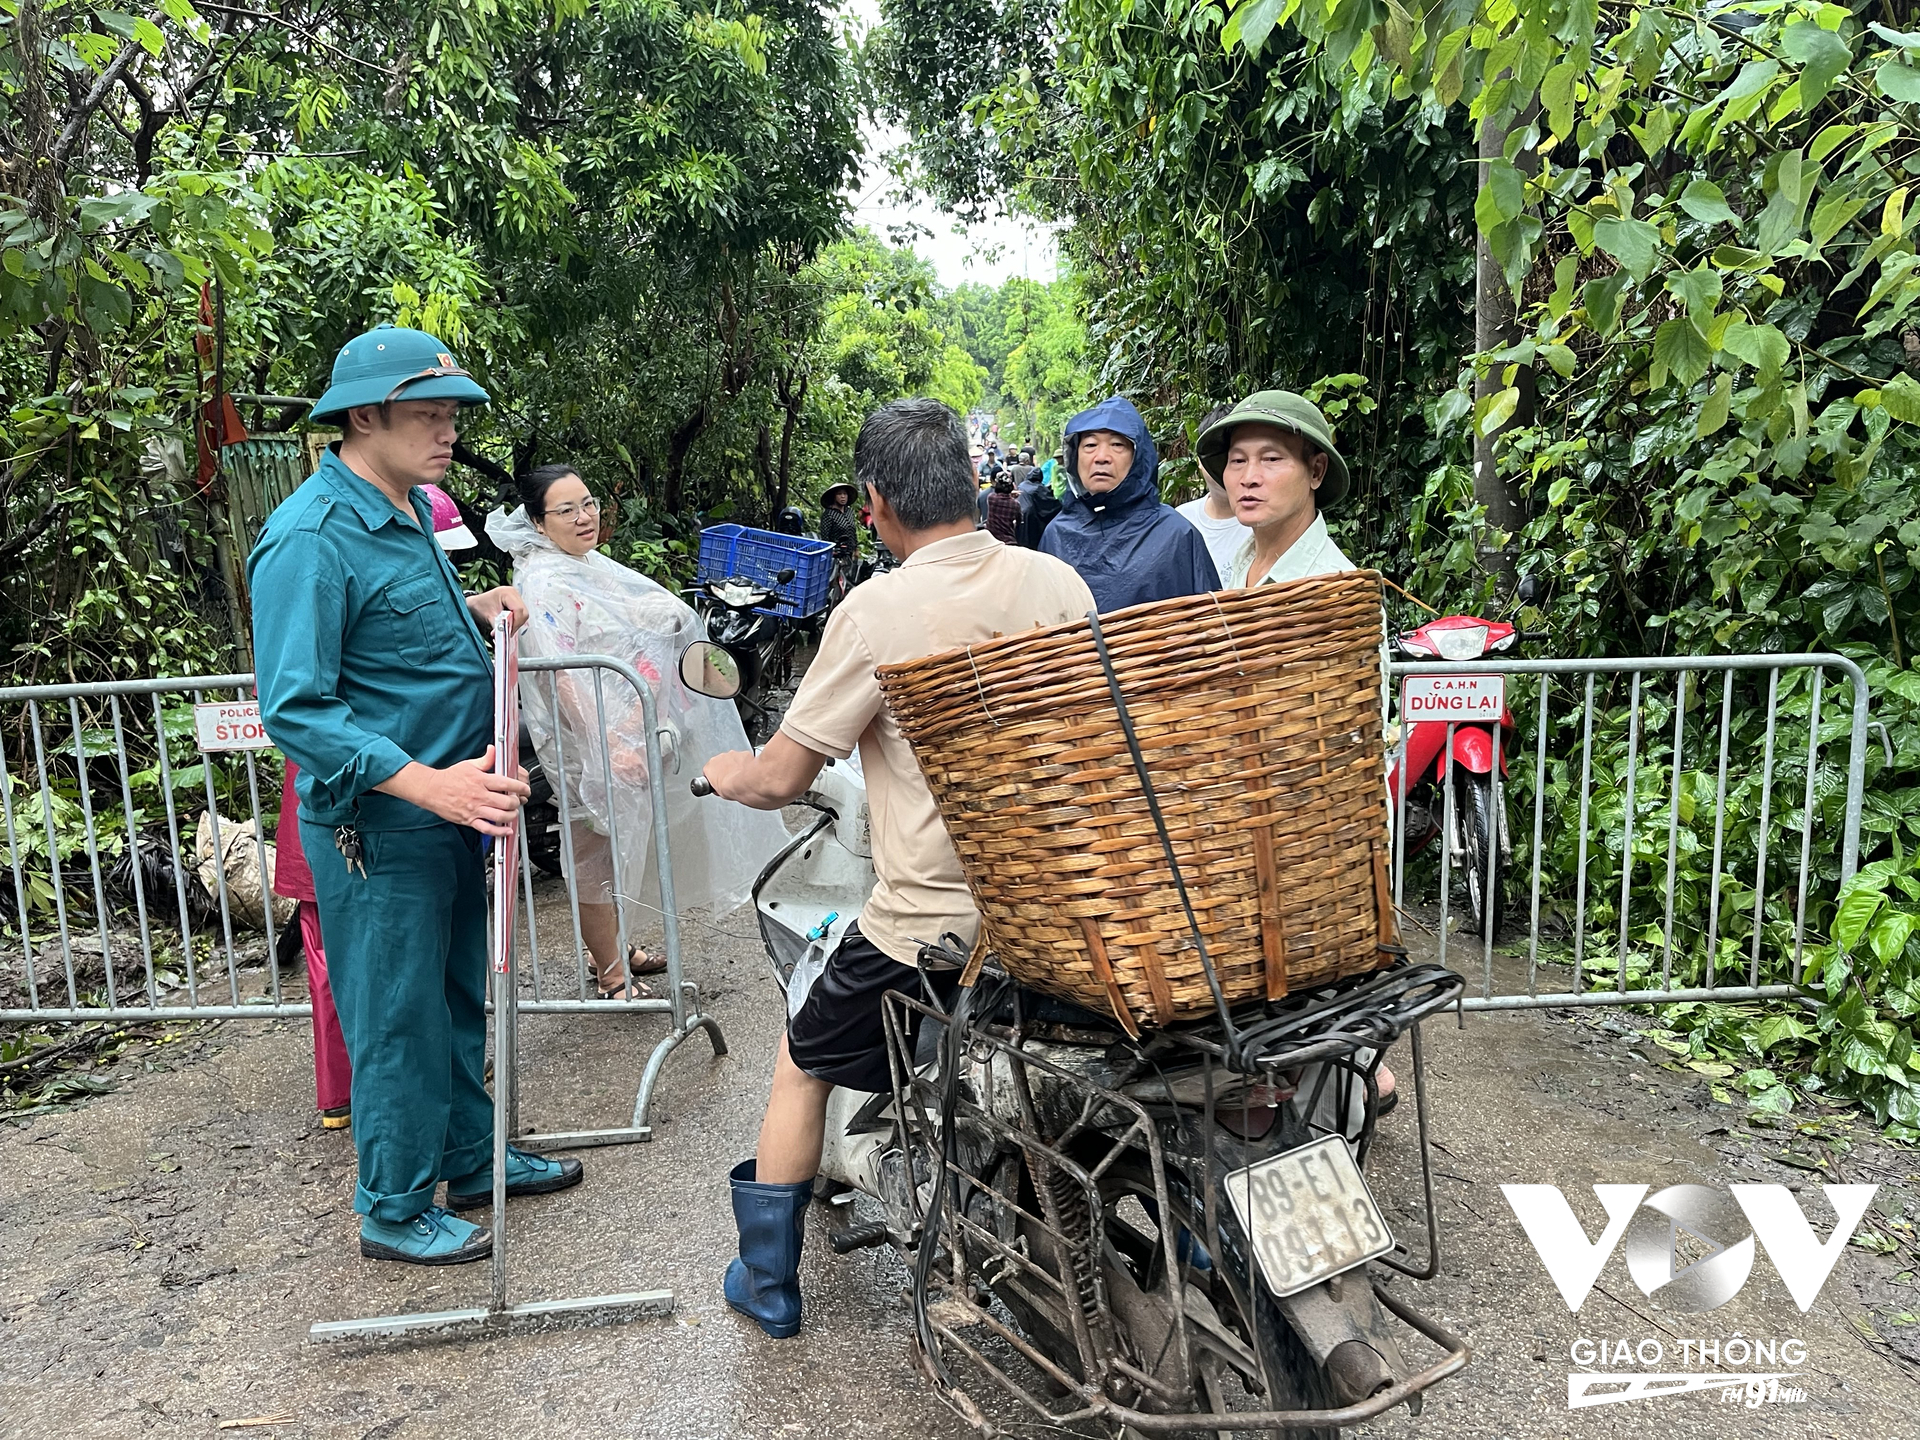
739	619
1419	764
1115	1232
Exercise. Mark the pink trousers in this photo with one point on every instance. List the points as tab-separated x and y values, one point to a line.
332	1075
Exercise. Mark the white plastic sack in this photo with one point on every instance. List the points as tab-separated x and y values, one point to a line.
240	859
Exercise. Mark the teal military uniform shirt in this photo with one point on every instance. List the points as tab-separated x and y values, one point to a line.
364	651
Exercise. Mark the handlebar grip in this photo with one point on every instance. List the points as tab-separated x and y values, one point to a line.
702	786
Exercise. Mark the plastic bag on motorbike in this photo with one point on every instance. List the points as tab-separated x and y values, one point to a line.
591	605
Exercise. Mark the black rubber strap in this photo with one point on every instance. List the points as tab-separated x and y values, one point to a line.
1166	840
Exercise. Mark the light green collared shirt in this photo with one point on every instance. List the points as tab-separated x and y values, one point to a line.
1314	553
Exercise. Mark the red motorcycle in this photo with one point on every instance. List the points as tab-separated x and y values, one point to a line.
1418	765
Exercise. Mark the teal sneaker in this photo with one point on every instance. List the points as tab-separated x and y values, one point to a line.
433	1237
527	1174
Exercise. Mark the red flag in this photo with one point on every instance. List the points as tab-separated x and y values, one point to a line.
217	422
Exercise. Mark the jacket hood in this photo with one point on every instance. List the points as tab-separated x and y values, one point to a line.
1125	544
517	534
1142	484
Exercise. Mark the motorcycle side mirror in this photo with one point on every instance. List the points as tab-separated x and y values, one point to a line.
783	577
1528	591
707	669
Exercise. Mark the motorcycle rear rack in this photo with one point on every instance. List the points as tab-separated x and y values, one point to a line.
1065	1153
1364	1012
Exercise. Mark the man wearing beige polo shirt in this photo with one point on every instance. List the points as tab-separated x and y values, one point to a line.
955	586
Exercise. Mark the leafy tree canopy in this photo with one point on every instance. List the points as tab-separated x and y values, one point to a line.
1700	408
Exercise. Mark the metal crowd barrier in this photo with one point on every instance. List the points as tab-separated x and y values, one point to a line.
682	1000
1642	912
102	788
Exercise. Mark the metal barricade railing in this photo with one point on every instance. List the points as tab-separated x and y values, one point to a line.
682	1000
1686	800
103	789
108	790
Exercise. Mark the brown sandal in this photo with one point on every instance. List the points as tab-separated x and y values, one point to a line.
639	962
630	990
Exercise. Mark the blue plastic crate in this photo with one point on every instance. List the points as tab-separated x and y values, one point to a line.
729	550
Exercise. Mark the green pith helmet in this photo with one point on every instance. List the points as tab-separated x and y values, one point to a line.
1287	411
392	363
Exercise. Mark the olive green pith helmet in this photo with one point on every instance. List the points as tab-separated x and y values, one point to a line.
391	362
1287	411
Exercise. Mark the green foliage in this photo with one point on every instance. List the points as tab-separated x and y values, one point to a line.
601	211
106	556
1706	414
51	825
1728	461
1029	341
1234	223
1045	375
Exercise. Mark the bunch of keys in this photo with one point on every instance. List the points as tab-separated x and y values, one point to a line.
347	841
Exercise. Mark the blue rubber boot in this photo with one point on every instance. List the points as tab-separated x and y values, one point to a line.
433	1237
527	1174
764	1283
1189	1251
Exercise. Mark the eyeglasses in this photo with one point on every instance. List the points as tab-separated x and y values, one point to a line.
588	506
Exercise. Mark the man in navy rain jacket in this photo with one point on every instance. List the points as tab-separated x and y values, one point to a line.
1112	528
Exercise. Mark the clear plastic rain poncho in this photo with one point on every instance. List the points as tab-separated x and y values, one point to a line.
590	605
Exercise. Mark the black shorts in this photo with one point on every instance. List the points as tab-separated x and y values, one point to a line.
837	1034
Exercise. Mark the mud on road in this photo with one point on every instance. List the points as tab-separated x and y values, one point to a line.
164	1247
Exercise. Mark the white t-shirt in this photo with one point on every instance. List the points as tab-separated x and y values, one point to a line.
1223	537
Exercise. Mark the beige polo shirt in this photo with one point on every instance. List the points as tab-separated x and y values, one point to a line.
954	592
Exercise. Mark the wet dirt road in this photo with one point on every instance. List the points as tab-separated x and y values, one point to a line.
164	1248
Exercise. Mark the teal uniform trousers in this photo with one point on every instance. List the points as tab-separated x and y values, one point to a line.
407	953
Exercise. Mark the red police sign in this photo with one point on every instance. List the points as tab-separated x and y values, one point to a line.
230	726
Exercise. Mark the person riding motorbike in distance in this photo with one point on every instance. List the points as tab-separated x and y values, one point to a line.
840	526
955	586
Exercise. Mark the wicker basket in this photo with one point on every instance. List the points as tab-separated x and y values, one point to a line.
1258	717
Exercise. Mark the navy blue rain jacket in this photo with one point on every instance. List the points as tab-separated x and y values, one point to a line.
1127	546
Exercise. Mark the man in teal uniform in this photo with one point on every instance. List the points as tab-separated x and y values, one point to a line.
375	680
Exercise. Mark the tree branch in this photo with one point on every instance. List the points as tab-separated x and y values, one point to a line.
151	120
76	125
36	527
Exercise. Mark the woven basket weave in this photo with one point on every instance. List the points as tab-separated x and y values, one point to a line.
1258	715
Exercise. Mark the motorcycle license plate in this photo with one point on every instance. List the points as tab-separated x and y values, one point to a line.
1309	1213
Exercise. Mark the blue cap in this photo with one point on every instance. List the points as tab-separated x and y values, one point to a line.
393	363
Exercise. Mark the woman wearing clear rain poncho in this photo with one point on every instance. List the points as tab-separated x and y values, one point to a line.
581	602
